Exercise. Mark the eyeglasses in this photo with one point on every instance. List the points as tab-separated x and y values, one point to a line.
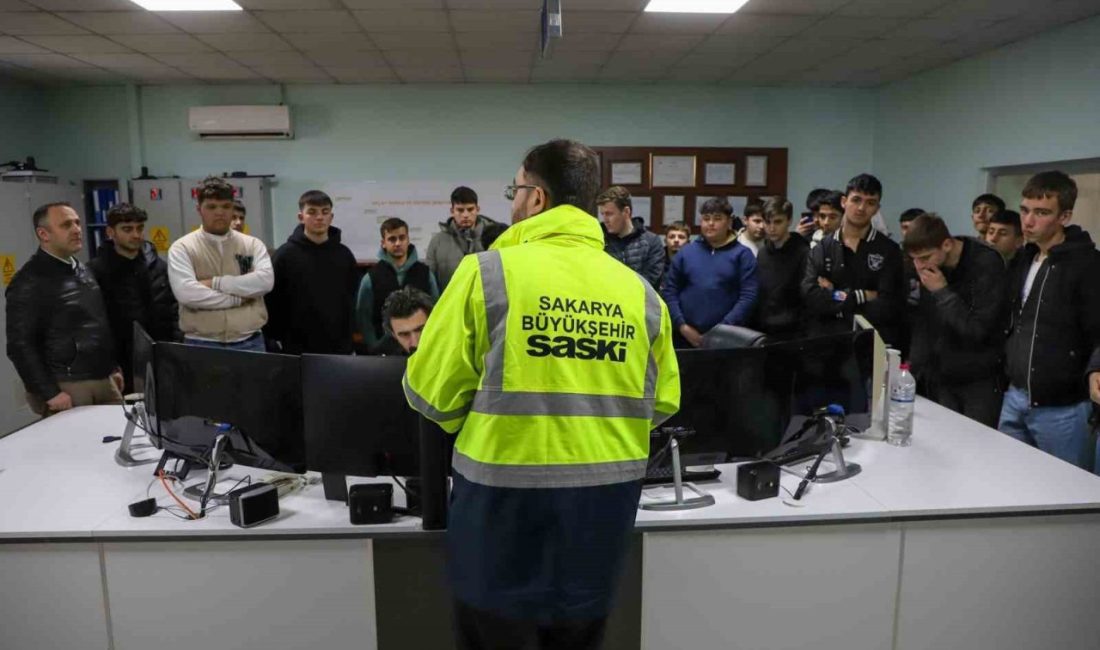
510	190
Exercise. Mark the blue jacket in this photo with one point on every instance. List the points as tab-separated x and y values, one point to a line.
707	286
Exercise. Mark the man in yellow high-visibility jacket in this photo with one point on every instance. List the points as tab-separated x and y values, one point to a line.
552	360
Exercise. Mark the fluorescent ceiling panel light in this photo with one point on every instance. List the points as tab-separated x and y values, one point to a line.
188	5
695	6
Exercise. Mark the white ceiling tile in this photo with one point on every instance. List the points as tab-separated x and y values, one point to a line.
84	5
758	77
855	27
857	61
230	72
497	75
661	23
120	22
766	25
347	59
658	61
941	29
16	5
168	76
399	20
495	21
596	22
43	61
585	43
988	9
574	74
130	61
289	5
573	58
162	43
422	58
497	40
670	43
739	43
196	60
359	75
93	76
11	45
711	60
330	42
501	59
814	48
780	63
257	59
682	73
214	22
499	5
401	41
36	23
889	8
293	73
393	4
435	74
245	42
801	7
78	44
299	22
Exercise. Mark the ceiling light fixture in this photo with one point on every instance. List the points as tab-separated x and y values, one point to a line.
695	6
188	5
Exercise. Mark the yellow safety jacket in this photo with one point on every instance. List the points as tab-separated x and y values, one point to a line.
553	359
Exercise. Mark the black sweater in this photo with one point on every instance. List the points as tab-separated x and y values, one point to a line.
311	307
780	272
958	331
1055	331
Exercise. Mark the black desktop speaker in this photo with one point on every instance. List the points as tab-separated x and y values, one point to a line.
253	505
371	503
756	481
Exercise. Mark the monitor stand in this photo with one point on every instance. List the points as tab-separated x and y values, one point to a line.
843	469
134	419
700	500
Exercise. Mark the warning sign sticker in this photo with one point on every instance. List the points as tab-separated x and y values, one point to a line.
161	238
245	229
7	268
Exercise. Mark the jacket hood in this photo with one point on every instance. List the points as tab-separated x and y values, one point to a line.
563	221
639	229
702	241
1077	239
410	259
299	237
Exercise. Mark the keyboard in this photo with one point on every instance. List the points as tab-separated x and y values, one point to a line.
662	475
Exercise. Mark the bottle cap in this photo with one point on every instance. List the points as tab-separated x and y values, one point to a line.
904	366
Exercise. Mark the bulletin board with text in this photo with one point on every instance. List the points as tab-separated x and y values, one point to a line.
669	184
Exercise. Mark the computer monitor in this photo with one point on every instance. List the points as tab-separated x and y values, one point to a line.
725	399
141	363
357	422
200	389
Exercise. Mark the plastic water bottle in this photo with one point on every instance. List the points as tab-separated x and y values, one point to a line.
902	393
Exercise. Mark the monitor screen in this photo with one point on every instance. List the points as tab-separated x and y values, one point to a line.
142	360
258	394
357	421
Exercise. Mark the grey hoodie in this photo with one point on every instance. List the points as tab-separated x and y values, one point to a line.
450	245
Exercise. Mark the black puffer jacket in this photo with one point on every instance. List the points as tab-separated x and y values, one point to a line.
1058	328
57	325
135	290
780	272
641	250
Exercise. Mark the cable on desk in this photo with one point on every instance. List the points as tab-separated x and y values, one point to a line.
164	482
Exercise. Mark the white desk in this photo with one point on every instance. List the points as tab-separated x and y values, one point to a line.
967	539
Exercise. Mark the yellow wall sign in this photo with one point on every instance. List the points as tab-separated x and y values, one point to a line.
245	229
161	238
7	268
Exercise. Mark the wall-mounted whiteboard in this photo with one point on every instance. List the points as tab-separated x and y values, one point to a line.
360	207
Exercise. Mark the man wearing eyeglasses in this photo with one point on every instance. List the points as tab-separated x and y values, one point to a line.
554	361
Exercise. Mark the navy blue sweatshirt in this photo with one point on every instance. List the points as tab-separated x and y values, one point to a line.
707	286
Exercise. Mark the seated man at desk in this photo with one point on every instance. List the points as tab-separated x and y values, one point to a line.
404	315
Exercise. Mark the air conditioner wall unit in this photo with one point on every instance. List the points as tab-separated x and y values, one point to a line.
240	122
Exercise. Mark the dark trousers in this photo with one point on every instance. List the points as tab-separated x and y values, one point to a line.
480	630
978	400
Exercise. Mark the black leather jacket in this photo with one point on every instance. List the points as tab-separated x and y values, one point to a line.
57	325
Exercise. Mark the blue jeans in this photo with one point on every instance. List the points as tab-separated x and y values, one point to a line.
254	343
1061	431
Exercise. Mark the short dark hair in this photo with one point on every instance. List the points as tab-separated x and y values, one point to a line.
403	303
754	209
616	194
1053	183
490	232
125	213
213	188
39	217
814	196
315	197
910	214
1008	218
239	207
777	205
568	171
989	199
678	226
390	225
927	231
463	195
864	184
831	199
717	205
